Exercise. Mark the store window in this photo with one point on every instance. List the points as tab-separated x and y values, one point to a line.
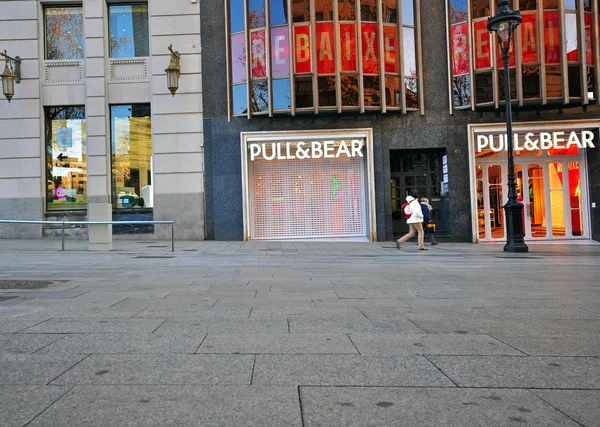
131	145
129	35
323	55
66	163
63	32
551	60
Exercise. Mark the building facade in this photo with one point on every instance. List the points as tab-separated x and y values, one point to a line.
418	86
92	131
305	119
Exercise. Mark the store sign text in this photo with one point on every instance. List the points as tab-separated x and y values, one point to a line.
305	150
542	141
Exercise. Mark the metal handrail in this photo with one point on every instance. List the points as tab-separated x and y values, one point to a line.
17	221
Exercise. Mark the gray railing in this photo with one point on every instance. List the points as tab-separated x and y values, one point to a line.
16	221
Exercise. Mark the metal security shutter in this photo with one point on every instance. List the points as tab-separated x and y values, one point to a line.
307	198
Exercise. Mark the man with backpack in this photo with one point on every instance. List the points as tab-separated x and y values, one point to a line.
412	209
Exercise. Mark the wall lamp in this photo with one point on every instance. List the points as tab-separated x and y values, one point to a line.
10	75
173	71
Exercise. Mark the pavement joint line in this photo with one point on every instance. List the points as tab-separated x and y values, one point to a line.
513	347
139	312
58	376
201	342
552	406
39	323
118	302
361	312
253	365
300	404
439	369
49	344
350	338
288	325
424	330
165	321
50	405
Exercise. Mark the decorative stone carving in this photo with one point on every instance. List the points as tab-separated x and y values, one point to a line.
63	71
128	70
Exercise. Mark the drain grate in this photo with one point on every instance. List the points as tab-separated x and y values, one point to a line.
24	284
154	256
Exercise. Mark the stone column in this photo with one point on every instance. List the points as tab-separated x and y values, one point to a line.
98	152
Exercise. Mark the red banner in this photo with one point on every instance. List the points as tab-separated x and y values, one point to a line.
551	40
460	49
512	61
259	58
390	49
325	50
589	43
482	45
348	45
302	60
280	52
370	50
529	41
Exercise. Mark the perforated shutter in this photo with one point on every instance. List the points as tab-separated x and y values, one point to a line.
307	198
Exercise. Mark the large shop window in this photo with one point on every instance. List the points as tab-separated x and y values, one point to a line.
552	57
131	145
129	35
66	163
63	28
292	56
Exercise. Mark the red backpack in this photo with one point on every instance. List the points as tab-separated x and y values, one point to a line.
406	209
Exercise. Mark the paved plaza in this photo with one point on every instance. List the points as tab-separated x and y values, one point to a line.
298	334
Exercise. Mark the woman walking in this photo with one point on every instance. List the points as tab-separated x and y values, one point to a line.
415	221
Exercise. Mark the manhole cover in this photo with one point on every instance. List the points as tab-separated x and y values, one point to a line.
154	256
24	284
6	298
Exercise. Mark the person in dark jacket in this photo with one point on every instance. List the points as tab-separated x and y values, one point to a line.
426	209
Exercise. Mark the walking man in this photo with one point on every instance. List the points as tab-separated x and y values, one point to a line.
415	221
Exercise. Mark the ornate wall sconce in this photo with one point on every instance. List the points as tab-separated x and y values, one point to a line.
173	71
10	75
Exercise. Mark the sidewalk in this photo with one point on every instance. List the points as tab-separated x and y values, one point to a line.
298	334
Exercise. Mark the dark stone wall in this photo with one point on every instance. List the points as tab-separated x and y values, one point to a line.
436	129
593	164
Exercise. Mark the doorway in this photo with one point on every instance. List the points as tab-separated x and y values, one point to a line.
421	170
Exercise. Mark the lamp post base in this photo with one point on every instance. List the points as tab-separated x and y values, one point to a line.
515	242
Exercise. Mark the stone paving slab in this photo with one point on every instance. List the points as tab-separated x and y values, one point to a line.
196	313
26	343
34	369
541	313
581	405
125	344
351	325
95	325
160	369
387	406
521	372
235	325
443	344
20	404
159	406
278	344
579	345
342	370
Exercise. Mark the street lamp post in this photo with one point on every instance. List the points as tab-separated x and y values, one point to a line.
504	22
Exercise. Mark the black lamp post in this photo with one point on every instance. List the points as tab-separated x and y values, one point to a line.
504	22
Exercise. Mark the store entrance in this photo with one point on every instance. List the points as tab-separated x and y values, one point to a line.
421	170
550	190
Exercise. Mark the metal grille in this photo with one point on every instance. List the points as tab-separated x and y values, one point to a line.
307	198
